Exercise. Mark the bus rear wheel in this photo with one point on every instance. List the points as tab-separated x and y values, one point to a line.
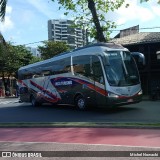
80	103
34	102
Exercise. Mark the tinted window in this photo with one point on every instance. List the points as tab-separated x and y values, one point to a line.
122	70
81	65
52	68
61	66
97	70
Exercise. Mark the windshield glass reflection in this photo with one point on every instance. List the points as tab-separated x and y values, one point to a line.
122	69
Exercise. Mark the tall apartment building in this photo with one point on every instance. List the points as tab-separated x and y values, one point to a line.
62	30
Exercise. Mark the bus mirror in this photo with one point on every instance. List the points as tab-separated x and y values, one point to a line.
139	57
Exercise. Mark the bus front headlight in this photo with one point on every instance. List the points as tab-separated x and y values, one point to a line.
140	92
112	95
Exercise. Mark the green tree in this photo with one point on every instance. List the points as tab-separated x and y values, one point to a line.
3	55
52	48
14	57
92	14
35	59
11	59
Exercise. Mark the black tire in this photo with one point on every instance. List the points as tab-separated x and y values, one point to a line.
81	103
34	102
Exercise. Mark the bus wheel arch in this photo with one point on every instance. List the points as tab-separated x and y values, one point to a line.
80	102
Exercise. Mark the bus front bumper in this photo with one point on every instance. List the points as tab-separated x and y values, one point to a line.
119	101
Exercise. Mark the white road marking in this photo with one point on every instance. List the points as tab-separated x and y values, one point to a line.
7	102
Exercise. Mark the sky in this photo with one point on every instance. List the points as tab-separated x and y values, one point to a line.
26	21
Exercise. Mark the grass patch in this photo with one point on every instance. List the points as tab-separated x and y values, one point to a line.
81	124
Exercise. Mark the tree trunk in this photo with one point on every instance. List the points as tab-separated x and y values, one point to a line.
100	36
3	4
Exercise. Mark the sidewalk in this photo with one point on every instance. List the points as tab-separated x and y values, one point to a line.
6	97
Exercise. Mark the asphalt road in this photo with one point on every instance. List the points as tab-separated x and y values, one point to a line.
12	111
81	139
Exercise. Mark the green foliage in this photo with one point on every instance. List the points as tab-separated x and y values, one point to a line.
18	56
52	48
13	57
4	56
92	15
35	59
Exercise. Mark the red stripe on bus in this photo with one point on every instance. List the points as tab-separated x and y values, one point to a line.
129	96
44	90
20	81
93	87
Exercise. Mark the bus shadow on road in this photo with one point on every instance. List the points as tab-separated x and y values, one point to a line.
114	109
100	110
25	112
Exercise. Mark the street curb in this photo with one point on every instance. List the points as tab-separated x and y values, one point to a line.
81	125
8	97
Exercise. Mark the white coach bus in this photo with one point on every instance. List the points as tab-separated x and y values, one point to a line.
102	75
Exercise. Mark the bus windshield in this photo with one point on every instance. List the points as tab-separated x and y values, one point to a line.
121	69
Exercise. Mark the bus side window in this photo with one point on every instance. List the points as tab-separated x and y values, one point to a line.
67	65
46	73
81	66
62	66
20	76
28	76
36	76
97	70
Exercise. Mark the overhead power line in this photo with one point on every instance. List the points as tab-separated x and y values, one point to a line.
136	29
113	30
35	42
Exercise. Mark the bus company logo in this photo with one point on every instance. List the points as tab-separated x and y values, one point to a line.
6	154
63	83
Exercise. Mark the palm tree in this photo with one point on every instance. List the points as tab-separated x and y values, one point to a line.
3	4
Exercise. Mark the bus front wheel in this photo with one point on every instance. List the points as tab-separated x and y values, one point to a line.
80	102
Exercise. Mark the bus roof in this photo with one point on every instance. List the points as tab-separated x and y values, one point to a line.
79	51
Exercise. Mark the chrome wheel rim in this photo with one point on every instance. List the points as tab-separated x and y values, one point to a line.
81	103
33	101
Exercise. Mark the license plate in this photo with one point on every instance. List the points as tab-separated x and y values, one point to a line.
130	100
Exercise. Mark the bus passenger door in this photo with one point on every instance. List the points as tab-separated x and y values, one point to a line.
83	72
99	82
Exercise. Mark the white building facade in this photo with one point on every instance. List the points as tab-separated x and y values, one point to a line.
62	30
34	51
